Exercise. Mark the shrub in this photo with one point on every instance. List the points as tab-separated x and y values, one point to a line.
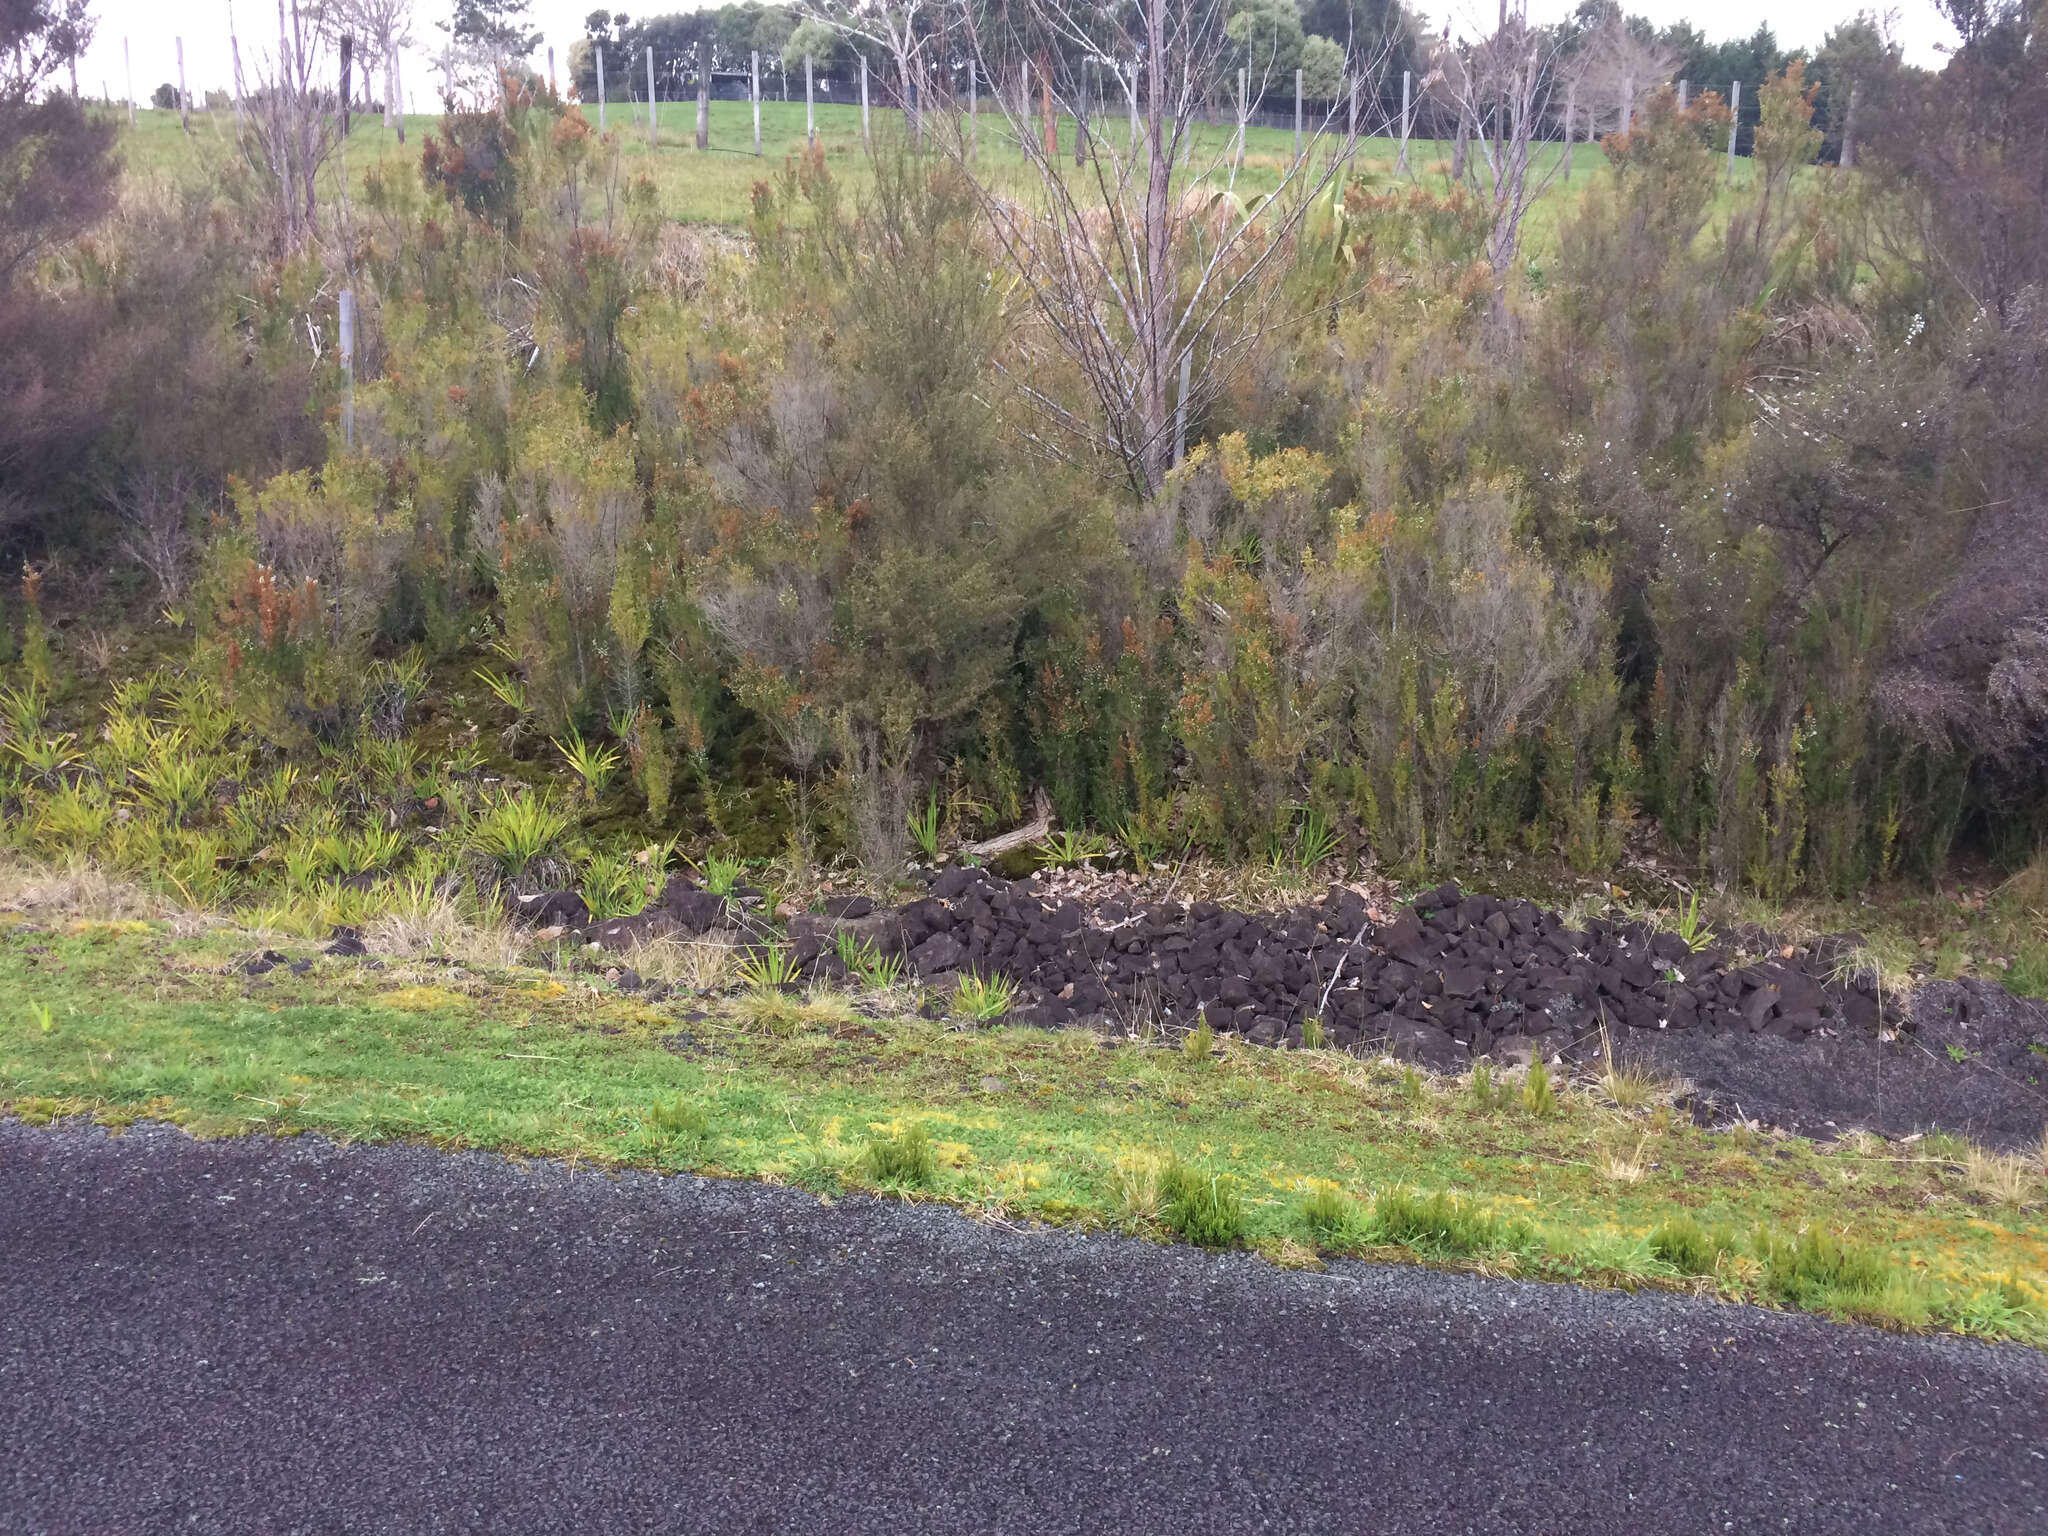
1199	1043
515	830
1817	1267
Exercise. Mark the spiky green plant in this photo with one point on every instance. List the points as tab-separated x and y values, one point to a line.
513	830
1204	1208
924	829
592	763
769	968
984	998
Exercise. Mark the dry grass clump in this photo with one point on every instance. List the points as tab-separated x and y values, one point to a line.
2005	1179
1620	1166
75	889
435	924
1135	1182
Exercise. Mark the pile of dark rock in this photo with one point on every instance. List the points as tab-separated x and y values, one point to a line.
1451	977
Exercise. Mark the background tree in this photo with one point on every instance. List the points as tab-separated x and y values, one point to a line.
383	31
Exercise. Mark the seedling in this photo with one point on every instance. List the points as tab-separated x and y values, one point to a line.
1538	1097
1413	1088
984	998
1484	1093
46	1021
1695	933
1063	850
769	968
924	829
1198	1043
1311	1033
1317	840
593	764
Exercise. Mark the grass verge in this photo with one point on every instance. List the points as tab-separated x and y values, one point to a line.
1295	1154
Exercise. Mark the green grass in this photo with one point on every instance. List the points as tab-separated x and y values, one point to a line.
716	186
120	1020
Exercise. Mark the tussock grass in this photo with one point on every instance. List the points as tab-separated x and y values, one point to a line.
904	1159
1441	1225
1203	1207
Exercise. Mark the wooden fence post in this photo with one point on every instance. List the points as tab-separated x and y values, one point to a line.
754	95
865	137
653	128
1407	86
1297	117
128	67
184	101
600	87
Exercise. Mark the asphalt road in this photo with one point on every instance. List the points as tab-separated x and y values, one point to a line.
285	1336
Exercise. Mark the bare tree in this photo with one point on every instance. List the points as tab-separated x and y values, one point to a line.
1612	71
291	133
383	30
899	26
1501	88
1148	270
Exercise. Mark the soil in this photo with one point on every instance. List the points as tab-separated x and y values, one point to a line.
1796	1036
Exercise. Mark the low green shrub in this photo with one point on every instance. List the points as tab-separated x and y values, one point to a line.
1330	1215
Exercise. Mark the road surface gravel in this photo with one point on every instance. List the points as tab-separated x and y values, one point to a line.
285	1336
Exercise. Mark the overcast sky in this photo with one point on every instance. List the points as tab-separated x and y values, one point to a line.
151	29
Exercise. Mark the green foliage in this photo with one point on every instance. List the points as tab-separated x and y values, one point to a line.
1067	849
904	1159
678	1121
1816	1268
769	968
1690	1248
924	830
592	764
1441	1225
1199	1043
1538	1097
513	830
1332	1217
984	998
1312	1033
865	960
1204	1208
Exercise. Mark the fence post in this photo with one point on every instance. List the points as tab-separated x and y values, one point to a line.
865	138
600	87
810	106
653	129
348	367
1684	94
1134	104
1297	117
1848	155
1628	102
1023	101
754	95
1237	152
184	100
1081	113
703	93
1571	109
551	69
1734	123
235	54
128	68
1407	85
398	93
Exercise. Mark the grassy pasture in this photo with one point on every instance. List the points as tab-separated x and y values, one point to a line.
714	187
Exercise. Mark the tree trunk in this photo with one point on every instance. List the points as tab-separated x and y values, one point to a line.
1155	346
1849	129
